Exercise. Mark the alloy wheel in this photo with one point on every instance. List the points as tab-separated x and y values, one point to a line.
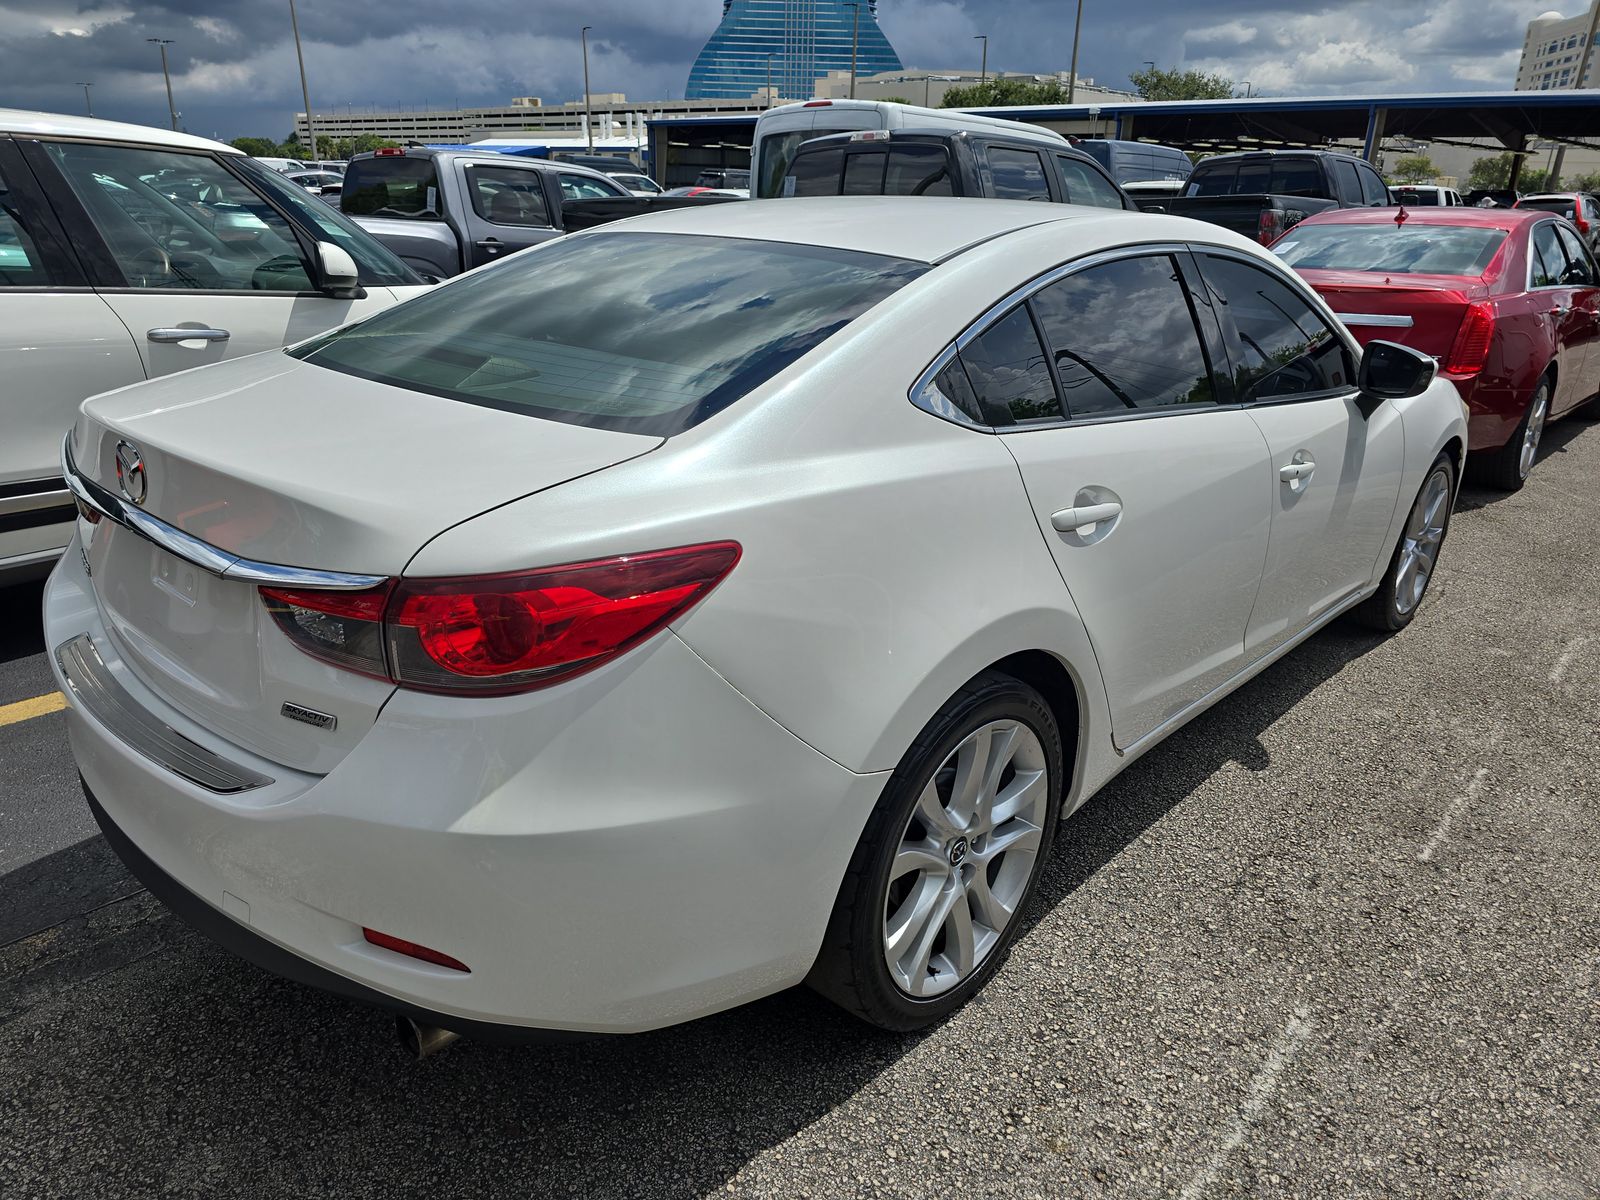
1533	432
1419	545
965	857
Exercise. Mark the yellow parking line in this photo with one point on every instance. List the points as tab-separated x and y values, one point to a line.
24	710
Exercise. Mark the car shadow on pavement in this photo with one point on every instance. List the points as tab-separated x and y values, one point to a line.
21	634
1556	439
192	1048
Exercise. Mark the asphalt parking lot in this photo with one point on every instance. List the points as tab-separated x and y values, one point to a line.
1338	937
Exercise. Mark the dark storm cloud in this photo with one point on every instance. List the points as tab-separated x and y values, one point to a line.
234	73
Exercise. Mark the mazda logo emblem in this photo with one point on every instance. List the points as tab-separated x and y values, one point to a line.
130	472
958	851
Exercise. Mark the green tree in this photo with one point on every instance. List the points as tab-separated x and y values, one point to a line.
1494	173
1415	168
1156	83
1587	183
894	100
255	146
1002	91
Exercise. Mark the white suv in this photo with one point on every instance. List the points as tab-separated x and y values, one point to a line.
128	252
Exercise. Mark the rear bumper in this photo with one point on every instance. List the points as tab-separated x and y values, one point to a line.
1494	410
633	849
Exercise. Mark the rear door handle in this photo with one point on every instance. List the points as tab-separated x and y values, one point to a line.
492	245
1069	519
187	335
1296	470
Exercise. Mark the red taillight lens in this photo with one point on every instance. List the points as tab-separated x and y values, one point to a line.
1471	349
1583	226
412	950
1269	226
342	628
497	634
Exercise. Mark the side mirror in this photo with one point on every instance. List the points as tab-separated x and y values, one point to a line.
1391	371
340	277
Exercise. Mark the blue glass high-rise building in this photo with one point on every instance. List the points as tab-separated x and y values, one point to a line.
802	39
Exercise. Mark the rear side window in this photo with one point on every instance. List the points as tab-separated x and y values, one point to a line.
1007	367
1108	363
21	264
1279	345
1017	174
391	186
1085	185
1347	183
1373	190
508	196
690	324
915	170
1549	261
815	173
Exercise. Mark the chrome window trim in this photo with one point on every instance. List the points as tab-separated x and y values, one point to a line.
193	550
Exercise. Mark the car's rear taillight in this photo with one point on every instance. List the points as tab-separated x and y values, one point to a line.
498	634
495	634
1583	226
1269	226
1471	349
342	628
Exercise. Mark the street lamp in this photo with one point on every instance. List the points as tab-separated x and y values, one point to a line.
588	117
1247	86
88	106
983	71
1072	80
172	110
305	92
855	38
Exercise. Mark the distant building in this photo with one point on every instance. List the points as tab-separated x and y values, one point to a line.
796	41
1552	53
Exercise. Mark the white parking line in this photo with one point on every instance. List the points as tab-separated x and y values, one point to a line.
1262	1087
1457	806
1559	671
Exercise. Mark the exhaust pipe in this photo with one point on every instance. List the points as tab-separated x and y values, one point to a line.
419	1041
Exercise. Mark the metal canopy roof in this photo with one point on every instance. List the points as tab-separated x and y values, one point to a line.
1511	118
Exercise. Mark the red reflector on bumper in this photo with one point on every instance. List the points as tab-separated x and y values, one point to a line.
412	950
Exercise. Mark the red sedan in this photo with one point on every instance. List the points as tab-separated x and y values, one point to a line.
1507	301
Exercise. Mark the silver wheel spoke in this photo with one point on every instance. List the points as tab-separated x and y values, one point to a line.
981	811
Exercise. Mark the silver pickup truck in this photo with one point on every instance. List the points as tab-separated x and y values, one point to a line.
447	211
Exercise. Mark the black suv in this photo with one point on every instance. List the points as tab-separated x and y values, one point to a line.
935	162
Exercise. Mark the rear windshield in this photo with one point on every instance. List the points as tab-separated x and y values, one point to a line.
391	186
1276	176
639	332
1413	198
1411	249
1562	208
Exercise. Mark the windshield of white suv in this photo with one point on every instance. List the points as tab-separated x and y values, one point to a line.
639	332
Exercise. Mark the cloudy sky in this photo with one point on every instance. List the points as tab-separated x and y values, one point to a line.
234	71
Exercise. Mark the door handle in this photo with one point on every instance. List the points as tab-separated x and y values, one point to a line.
187	335
1069	519
1296	470
1559	310
492	245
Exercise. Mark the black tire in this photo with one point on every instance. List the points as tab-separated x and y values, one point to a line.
1502	469
851	969
1384	610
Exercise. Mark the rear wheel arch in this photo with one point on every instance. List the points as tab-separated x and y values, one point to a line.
1062	691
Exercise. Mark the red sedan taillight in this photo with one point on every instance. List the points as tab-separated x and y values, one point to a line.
1471	349
497	634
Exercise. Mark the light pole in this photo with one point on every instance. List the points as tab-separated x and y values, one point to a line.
588	117
88	105
1247	86
305	92
855	38
983	71
172	110
1072	79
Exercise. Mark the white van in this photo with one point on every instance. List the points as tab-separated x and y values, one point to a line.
282	165
781	129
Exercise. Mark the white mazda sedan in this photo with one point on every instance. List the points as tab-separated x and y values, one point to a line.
718	600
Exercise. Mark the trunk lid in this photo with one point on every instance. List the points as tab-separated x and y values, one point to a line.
1420	311
279	461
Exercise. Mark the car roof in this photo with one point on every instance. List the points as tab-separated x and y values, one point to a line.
17	120
921	228
1492	218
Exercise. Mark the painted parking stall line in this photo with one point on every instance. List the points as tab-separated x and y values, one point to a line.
1558	673
1457	807
26	710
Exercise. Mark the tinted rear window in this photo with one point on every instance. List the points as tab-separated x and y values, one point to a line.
391	186
1249	177
1411	249
1562	208
640	332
